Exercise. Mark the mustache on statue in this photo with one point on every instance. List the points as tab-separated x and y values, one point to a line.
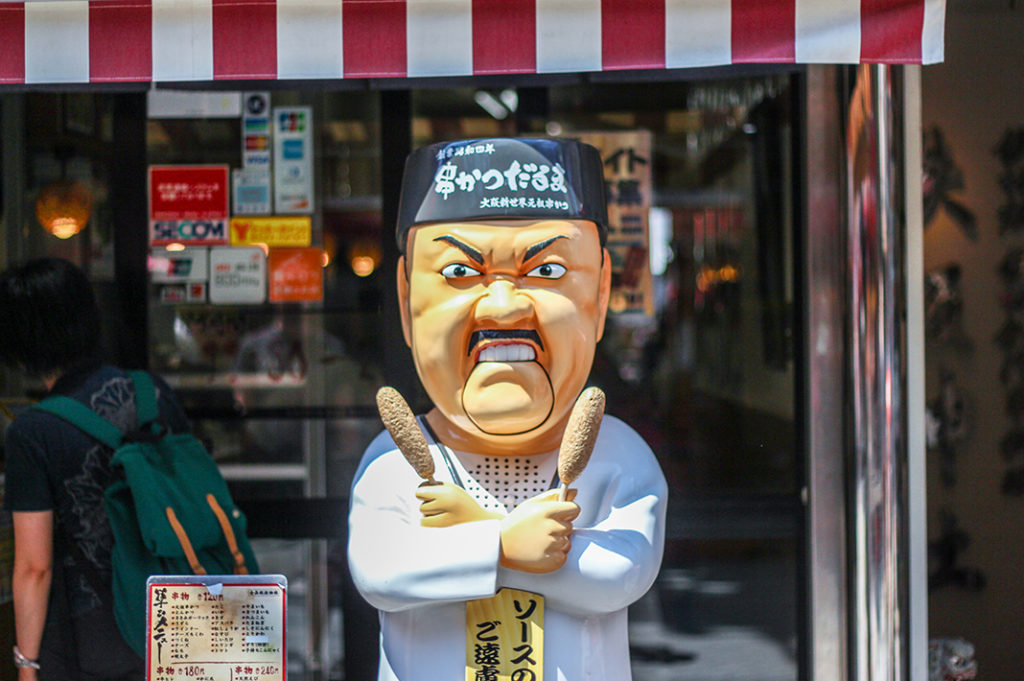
478	337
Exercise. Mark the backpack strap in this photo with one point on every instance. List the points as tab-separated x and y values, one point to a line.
229	535
83	418
146	409
186	545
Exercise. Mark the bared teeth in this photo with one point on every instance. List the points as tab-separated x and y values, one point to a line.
507	352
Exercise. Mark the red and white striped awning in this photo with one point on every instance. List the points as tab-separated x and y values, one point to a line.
81	41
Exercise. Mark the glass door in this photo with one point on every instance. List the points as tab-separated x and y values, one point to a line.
700	353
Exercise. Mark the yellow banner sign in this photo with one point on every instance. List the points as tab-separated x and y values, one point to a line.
505	637
290	230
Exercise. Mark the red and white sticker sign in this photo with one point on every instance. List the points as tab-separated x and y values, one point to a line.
216	628
188	205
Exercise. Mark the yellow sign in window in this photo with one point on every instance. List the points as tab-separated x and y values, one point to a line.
283	230
505	637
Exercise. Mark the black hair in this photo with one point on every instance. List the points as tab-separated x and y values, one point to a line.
50	320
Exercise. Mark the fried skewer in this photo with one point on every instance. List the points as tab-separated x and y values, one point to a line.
579	437
405	431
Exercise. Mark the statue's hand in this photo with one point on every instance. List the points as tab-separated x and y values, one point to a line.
535	536
445	504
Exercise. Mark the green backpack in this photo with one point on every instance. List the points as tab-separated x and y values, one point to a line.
170	511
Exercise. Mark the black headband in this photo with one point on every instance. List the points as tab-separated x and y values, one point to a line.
502	178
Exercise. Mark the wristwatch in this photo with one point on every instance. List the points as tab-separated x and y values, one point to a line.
22	661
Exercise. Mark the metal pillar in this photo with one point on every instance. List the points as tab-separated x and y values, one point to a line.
826	278
877	351
866	557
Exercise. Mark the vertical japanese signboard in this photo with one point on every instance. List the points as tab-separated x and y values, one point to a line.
188	205
505	637
627	172
293	159
216	628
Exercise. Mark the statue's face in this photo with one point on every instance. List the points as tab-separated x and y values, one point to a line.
502	319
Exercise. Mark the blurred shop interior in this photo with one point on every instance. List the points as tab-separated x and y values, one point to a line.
701	354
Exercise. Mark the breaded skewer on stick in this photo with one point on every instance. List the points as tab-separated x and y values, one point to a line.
405	431
579	437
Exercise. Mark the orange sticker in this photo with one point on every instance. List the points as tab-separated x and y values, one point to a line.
296	275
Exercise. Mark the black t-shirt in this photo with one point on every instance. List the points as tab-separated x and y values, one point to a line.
53	466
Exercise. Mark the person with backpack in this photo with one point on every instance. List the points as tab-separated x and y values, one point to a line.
57	475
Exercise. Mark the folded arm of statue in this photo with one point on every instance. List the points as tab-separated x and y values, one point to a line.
535	536
399	564
618	538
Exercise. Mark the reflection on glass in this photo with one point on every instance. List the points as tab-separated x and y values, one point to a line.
708	379
282	393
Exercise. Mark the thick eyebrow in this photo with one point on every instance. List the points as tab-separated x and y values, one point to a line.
470	252
537	248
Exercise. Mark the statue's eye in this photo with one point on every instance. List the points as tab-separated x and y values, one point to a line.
549	270
458	271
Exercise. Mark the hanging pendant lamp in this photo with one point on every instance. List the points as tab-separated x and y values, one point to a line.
64	207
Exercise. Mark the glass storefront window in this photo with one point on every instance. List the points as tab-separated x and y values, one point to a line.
283	393
256	373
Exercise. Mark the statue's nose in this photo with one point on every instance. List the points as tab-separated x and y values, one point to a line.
503	302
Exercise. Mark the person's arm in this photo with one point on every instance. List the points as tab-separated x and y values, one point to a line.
33	568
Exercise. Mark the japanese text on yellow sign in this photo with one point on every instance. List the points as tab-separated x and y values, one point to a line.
505	637
272	231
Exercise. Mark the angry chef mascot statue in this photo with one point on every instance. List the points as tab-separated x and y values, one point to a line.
464	531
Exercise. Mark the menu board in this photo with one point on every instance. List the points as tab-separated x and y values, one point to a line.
216	628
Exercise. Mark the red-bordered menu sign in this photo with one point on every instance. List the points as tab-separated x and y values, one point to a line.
216	628
188	205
